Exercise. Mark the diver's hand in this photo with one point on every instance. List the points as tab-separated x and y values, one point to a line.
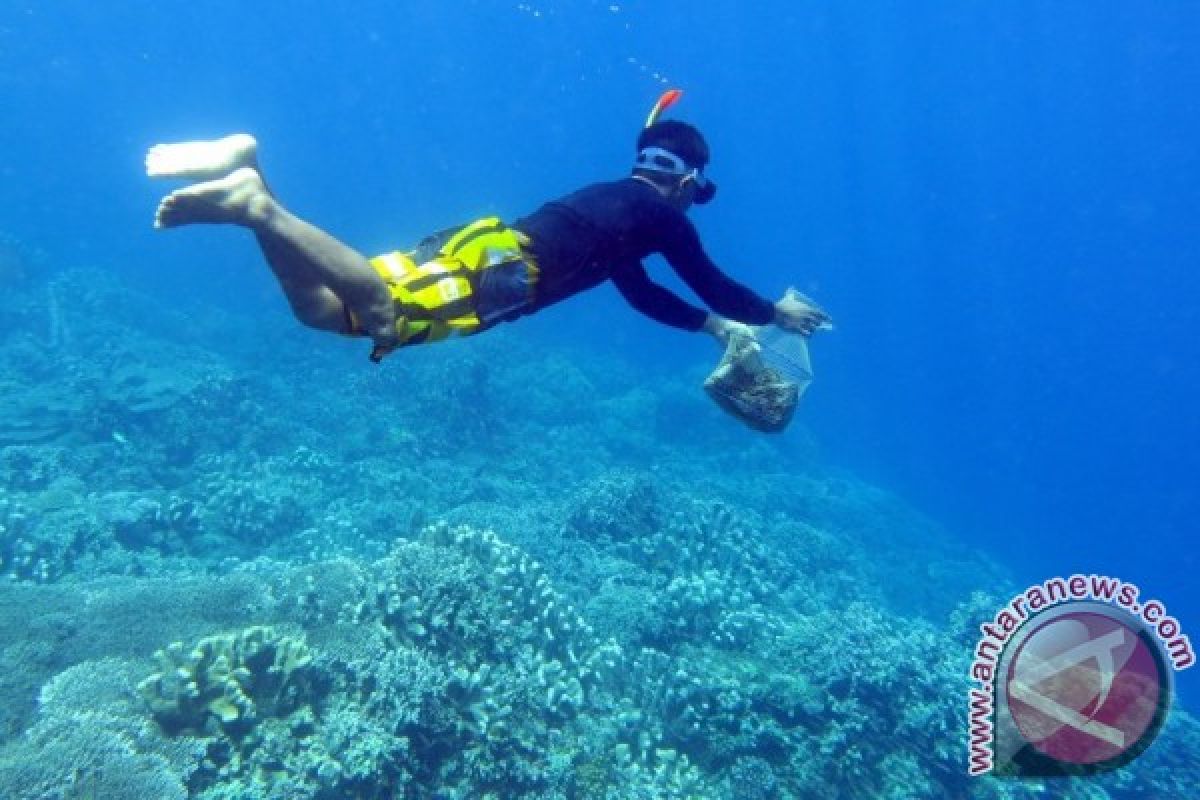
385	341
721	329
795	314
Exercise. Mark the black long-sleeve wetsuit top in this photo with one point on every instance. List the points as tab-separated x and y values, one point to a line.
604	231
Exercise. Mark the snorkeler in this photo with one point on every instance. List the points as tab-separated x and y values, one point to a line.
470	278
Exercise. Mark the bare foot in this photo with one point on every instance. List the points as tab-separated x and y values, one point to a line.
202	160
239	198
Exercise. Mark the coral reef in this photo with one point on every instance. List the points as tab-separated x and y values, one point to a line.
452	668
222	581
456	667
230	681
91	740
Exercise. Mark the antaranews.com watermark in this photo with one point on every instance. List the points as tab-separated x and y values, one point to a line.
1073	675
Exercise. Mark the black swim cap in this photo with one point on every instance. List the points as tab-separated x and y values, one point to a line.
680	138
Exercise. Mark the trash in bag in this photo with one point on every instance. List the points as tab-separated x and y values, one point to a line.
762	377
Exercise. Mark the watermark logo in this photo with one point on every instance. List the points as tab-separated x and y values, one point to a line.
1073	676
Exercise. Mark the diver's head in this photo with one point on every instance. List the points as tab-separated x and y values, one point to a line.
672	155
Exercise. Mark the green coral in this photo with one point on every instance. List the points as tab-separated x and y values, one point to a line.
228	681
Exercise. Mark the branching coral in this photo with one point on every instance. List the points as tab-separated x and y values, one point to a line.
89	742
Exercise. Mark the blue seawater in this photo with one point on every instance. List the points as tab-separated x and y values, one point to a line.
239	560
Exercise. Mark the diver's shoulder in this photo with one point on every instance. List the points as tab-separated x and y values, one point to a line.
629	186
637	195
624	199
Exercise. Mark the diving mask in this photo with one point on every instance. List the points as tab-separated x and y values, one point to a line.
657	159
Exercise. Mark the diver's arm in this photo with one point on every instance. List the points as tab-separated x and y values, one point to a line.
680	245
655	301
721	329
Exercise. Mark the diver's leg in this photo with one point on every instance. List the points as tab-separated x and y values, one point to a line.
202	160
320	276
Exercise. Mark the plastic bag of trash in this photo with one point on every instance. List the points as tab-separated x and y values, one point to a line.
762	377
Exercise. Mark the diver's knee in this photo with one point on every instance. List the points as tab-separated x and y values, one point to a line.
322	315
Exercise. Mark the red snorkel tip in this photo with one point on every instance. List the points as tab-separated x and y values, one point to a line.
669	98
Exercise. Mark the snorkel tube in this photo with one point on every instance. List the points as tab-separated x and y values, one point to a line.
706	189
669	98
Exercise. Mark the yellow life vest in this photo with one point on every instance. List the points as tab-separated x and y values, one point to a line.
459	282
